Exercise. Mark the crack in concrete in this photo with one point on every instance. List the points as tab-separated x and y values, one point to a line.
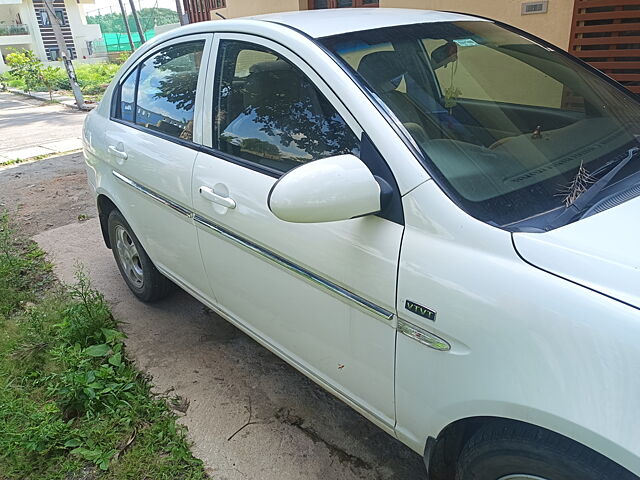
285	416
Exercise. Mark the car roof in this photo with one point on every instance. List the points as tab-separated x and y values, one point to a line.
334	21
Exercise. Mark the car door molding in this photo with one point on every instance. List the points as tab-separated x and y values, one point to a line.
154	195
308	275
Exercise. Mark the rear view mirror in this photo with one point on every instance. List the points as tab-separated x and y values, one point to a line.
444	55
328	190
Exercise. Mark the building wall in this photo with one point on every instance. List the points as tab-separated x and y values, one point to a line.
82	32
553	26
244	8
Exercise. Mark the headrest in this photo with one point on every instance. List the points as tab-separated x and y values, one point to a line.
274	66
380	68
269	80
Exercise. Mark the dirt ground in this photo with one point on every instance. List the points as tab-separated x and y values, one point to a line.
47	193
249	414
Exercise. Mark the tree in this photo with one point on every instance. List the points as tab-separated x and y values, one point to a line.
149	18
260	147
24	65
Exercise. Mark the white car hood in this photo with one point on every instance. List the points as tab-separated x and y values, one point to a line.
601	252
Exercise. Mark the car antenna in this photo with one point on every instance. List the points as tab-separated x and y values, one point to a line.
221	16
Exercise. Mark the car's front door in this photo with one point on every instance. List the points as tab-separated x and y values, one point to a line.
323	295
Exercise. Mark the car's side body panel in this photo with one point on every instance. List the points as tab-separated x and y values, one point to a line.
508	323
283	279
526	345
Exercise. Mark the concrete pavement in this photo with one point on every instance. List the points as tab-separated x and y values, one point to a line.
66	100
30	128
296	430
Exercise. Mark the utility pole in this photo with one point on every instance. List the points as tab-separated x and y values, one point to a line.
126	26
137	20
179	10
62	45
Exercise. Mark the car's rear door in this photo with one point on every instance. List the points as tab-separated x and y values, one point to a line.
151	144
322	295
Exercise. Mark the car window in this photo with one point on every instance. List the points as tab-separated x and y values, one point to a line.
167	90
507	126
126	106
483	72
269	113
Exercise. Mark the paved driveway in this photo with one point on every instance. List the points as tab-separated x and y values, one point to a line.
30	128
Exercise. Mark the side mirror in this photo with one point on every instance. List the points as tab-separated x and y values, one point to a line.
328	190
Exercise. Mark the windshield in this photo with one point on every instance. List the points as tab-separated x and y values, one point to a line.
511	129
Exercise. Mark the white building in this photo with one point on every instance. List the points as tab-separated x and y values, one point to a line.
26	24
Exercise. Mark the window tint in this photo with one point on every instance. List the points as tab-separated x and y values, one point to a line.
268	112
507	126
484	72
126	107
167	90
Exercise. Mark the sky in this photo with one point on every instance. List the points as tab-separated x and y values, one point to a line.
107	6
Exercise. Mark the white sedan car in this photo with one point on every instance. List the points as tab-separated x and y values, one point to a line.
432	215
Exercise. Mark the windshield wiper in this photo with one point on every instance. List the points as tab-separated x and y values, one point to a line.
585	199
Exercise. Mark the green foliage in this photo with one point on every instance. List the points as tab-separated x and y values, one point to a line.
149	18
4	81
71	404
123	57
93	78
22	269
26	66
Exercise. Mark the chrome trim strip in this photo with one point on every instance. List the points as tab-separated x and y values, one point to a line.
303	272
422	336
275	258
150	193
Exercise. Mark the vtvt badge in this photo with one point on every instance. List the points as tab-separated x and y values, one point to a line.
420	310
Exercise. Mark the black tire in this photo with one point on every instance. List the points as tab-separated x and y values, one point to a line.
498	451
136	268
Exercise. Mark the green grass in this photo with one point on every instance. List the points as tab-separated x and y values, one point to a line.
71	404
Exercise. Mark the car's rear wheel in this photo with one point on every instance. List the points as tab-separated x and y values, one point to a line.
137	269
524	452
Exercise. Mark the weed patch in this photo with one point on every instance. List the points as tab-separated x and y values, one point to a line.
71	404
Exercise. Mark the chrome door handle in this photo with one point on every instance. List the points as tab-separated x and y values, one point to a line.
113	150
210	195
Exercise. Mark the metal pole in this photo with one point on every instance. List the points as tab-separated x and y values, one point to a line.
179	10
62	45
126	26
137	20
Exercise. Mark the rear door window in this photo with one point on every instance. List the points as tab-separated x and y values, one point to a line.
160	93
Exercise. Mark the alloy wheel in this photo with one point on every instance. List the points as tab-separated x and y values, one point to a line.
129	257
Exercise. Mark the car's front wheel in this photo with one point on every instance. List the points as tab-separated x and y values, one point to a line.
137	269
523	452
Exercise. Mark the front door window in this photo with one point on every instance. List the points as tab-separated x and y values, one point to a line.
270	114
